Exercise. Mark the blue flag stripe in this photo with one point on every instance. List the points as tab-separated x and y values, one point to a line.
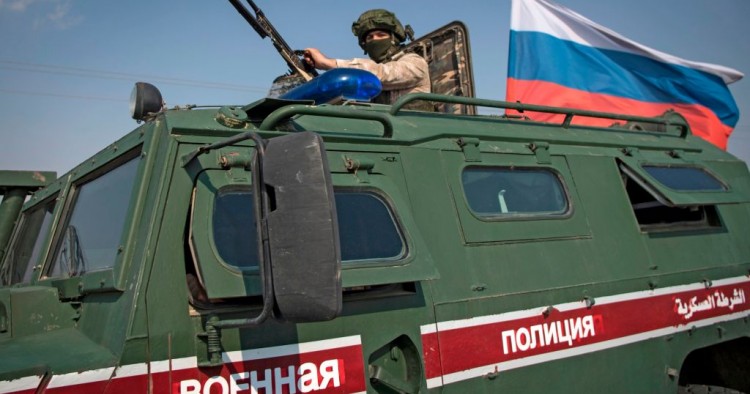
616	73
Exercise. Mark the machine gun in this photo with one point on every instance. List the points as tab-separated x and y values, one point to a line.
264	28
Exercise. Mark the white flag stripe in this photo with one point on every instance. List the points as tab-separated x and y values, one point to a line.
547	17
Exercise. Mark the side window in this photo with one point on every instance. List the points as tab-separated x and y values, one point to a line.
234	230
92	232
675	196
657	208
367	228
508	197
684	178
373	219
497	192
24	252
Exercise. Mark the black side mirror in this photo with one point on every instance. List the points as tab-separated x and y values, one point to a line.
303	229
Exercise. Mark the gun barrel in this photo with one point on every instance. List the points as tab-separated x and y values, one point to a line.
264	28
249	18
255	7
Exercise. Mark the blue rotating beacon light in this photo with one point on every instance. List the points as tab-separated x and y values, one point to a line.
338	84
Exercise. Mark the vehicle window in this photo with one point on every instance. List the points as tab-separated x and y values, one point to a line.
24	253
652	213
93	231
508	191
234	229
684	178
367	228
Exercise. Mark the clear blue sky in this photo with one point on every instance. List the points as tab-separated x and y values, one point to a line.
67	66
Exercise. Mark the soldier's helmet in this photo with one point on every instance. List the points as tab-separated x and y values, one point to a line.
378	19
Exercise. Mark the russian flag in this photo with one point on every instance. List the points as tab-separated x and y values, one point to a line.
560	58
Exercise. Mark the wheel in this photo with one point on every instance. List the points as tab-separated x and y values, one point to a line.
702	389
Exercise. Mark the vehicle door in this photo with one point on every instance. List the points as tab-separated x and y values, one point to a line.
375	344
524	237
448	56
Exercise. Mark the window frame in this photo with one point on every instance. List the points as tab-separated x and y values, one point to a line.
203	245
388	186
210	234
525	215
208	263
254	270
633	169
35	262
390	207
522	228
106	279
712	177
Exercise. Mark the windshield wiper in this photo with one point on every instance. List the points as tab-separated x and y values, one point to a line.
75	256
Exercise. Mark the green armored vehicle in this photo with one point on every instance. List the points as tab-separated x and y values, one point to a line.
293	246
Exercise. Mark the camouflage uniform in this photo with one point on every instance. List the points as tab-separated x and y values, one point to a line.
400	72
404	73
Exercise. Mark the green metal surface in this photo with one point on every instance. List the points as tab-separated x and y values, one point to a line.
14	187
226	281
10	207
32	352
29	180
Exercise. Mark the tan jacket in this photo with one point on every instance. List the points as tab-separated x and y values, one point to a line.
405	73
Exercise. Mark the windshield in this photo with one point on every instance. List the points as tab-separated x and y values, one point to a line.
92	234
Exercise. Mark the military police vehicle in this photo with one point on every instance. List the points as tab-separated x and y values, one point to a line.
330	245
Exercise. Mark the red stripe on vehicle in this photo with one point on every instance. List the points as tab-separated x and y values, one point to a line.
327	366
470	344
339	370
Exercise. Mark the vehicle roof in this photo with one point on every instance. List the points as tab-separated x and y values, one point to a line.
368	124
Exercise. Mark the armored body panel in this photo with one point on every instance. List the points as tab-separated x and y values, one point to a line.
477	254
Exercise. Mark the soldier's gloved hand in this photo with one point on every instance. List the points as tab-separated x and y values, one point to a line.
318	60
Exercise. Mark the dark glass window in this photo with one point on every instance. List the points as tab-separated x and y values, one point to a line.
234	230
367	228
501	192
685	178
652	214
24	253
93	231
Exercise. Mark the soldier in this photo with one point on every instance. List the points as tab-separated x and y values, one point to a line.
381	36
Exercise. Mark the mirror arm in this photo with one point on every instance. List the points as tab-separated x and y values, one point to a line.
216	145
213	324
290	173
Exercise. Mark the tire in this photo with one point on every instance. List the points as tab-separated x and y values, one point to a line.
702	389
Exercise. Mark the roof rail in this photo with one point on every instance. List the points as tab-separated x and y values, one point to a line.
569	113
284	113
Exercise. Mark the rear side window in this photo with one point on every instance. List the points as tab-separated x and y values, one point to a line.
367	228
24	252
497	192
672	200
685	178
